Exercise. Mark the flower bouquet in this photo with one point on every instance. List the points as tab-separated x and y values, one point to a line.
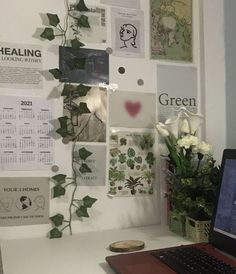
191	174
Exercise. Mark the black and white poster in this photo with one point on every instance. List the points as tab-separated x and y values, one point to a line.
127	32
20	66
24	201
84	66
25	127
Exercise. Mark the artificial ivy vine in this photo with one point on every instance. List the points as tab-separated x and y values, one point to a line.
62	182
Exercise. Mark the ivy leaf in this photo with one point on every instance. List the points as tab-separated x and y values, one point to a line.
48	34
53	19
81	6
82	90
83	108
59	179
57	220
63	130
68	89
58	191
83	21
56	73
76	44
82	211
84	153
89	201
84	168
55	233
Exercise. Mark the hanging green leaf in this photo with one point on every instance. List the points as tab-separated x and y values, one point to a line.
57	220
56	73
83	90
89	201
63	132
53	19
59	179
84	168
82	212
81	6
58	191
48	34
83	21
84	153
76	44
68	90
55	233
83	108
63	121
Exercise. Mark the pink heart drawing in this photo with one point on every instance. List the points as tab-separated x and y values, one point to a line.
133	108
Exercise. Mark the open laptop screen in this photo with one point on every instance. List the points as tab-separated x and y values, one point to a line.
223	230
225	218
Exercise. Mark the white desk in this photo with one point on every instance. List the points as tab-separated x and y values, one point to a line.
77	254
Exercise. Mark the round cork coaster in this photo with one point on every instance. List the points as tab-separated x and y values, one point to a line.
126	246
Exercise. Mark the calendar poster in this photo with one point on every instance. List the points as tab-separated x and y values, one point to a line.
25	139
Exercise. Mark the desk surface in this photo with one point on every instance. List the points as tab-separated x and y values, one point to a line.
78	254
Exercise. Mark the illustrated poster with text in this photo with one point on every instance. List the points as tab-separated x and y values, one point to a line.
20	66
25	141
176	87
131	163
24	201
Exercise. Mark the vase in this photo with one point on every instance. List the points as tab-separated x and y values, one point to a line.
197	231
177	223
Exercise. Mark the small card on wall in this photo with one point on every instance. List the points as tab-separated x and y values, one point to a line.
24	201
132	109
96	162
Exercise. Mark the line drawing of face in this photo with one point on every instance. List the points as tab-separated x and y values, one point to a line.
128	34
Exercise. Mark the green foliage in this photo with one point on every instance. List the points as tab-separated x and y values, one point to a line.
146	141
55	233
82	212
150	159
57	220
131	152
57	74
53	19
81	6
89	201
58	191
48	34
83	21
76	44
85	169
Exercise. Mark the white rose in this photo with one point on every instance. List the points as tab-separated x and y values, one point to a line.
187	141
162	130
205	148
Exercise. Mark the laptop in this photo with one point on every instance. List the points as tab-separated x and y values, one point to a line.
216	256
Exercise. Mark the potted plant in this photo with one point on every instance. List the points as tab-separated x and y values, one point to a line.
191	173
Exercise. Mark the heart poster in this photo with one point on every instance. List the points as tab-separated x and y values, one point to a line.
132	109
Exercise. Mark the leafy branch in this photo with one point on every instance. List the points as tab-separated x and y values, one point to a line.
78	207
55	29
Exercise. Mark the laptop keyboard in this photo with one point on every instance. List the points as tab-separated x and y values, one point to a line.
192	260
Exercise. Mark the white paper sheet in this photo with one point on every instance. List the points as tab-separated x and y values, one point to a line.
25	143
127	32
20	66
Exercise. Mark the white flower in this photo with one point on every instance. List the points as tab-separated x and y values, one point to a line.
185	128
188	141
162	130
195	120
205	148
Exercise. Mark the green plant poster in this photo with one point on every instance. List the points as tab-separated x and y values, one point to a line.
131	163
171	30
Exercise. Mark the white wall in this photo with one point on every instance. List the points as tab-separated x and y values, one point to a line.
20	22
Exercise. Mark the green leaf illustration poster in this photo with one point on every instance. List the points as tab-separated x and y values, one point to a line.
131	163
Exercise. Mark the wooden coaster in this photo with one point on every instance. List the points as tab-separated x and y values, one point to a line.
126	246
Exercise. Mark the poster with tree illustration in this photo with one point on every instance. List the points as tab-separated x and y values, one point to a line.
171	29
131	163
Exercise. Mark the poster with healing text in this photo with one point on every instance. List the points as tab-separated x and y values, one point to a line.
20	66
25	133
